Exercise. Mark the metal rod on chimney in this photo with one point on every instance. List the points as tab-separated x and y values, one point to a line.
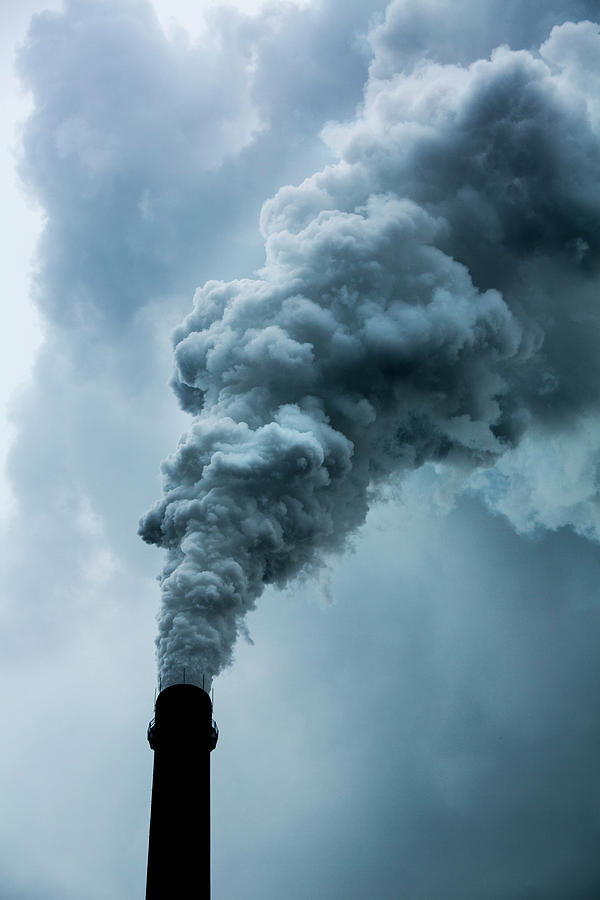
182	735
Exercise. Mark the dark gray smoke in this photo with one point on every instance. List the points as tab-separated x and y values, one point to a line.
428	297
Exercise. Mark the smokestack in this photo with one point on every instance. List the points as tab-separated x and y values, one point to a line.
182	735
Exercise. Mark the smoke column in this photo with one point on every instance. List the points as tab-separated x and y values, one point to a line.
427	297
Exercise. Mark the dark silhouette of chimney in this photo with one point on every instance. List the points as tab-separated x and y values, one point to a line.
182	735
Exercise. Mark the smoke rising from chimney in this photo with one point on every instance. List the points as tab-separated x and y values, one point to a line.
428	297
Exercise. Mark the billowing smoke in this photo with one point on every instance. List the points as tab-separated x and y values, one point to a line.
428	297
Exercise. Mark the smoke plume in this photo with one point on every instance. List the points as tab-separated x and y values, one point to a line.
430	296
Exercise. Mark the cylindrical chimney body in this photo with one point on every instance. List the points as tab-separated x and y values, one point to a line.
182	736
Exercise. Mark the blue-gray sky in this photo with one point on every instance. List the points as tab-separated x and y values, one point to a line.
420	719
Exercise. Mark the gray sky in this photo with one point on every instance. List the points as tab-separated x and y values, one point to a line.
419	720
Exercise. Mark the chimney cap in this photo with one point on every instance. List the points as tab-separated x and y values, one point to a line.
183	712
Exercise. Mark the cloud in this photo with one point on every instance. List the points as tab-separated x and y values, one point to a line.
550	480
412	31
126	123
143	149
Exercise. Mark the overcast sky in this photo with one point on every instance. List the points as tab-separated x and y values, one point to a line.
418	719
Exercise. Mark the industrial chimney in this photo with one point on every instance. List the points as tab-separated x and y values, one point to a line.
182	735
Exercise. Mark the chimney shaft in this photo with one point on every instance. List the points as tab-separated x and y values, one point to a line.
182	736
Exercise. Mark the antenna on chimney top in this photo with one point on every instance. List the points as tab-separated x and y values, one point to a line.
184	674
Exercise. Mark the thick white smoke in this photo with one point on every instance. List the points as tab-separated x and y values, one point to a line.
430	296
